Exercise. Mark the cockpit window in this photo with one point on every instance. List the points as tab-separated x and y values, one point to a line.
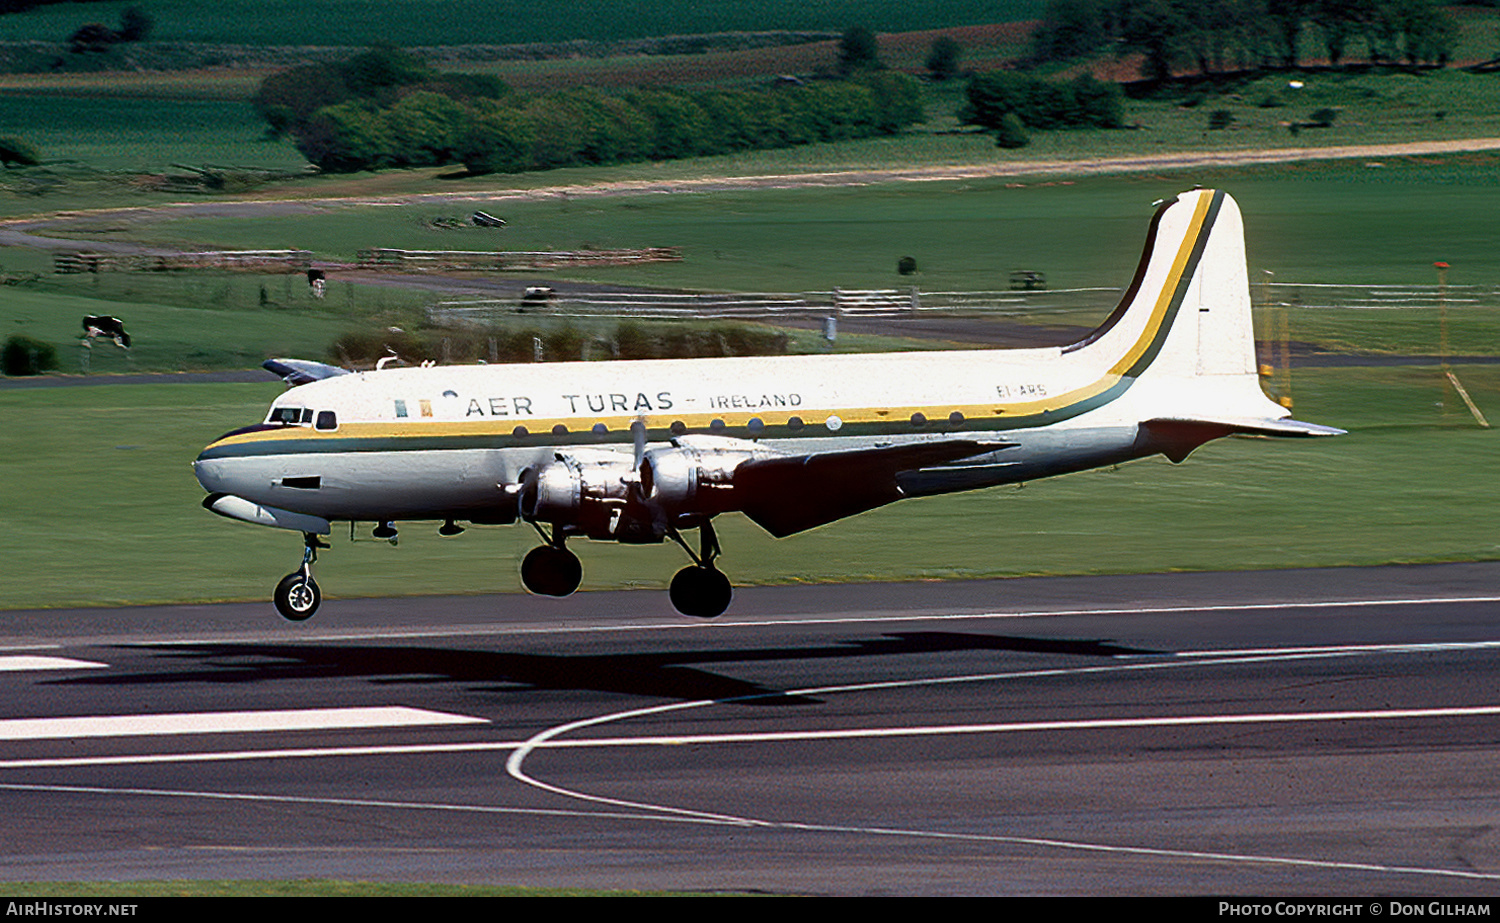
290	416
327	420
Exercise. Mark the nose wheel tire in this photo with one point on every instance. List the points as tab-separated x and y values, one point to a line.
297	597
551	571
700	591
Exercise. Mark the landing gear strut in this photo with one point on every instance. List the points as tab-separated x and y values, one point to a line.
701	589
551	569
297	595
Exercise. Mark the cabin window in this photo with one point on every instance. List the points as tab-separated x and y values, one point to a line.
327	421
401	408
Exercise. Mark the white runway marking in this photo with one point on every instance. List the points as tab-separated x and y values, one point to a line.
19	662
308	719
548	739
677	624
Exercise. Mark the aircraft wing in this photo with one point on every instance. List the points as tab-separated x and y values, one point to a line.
301	371
790	494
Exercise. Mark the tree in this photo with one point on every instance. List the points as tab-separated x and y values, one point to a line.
370	74
15	151
1084	101
1423	33
92	38
859	50
347	137
24	355
1155	28
287	99
898	101
1341	21
1011	133
135	25
424	129
679	125
497	139
943	57
1070	29
1287	19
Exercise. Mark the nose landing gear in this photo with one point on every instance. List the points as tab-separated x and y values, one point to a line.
297	595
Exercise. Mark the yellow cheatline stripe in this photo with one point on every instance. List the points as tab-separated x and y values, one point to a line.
1169	290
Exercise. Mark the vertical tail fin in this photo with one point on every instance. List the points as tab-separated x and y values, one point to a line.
1182	336
1187	310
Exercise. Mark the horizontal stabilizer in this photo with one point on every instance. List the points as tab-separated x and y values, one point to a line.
789	495
1252	427
1176	438
301	371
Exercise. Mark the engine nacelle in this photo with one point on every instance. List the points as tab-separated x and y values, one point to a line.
602	497
694	478
588	496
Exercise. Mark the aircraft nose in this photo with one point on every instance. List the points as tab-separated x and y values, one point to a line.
210	474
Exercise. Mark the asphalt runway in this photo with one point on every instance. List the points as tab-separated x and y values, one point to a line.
1318	732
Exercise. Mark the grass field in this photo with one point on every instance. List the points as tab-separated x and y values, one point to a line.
423	22
1347	222
103	474
131	133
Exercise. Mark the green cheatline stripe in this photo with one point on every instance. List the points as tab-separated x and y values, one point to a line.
1180	293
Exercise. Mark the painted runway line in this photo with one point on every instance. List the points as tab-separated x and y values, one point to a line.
306	719
24	662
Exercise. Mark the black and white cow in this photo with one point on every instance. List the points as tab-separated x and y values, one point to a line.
102	325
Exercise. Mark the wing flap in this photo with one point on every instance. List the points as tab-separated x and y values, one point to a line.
794	493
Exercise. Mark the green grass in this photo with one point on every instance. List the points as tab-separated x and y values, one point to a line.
1348	222
424	22
103	474
1329	222
200	332
114	133
1326	221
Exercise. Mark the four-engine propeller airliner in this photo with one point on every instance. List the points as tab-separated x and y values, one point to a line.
644	451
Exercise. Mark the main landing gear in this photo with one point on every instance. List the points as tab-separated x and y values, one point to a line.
700	589
551	569
297	595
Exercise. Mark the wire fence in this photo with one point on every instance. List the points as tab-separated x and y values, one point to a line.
872	303
1046	304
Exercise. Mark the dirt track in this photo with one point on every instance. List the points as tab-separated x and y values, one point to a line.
19	232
